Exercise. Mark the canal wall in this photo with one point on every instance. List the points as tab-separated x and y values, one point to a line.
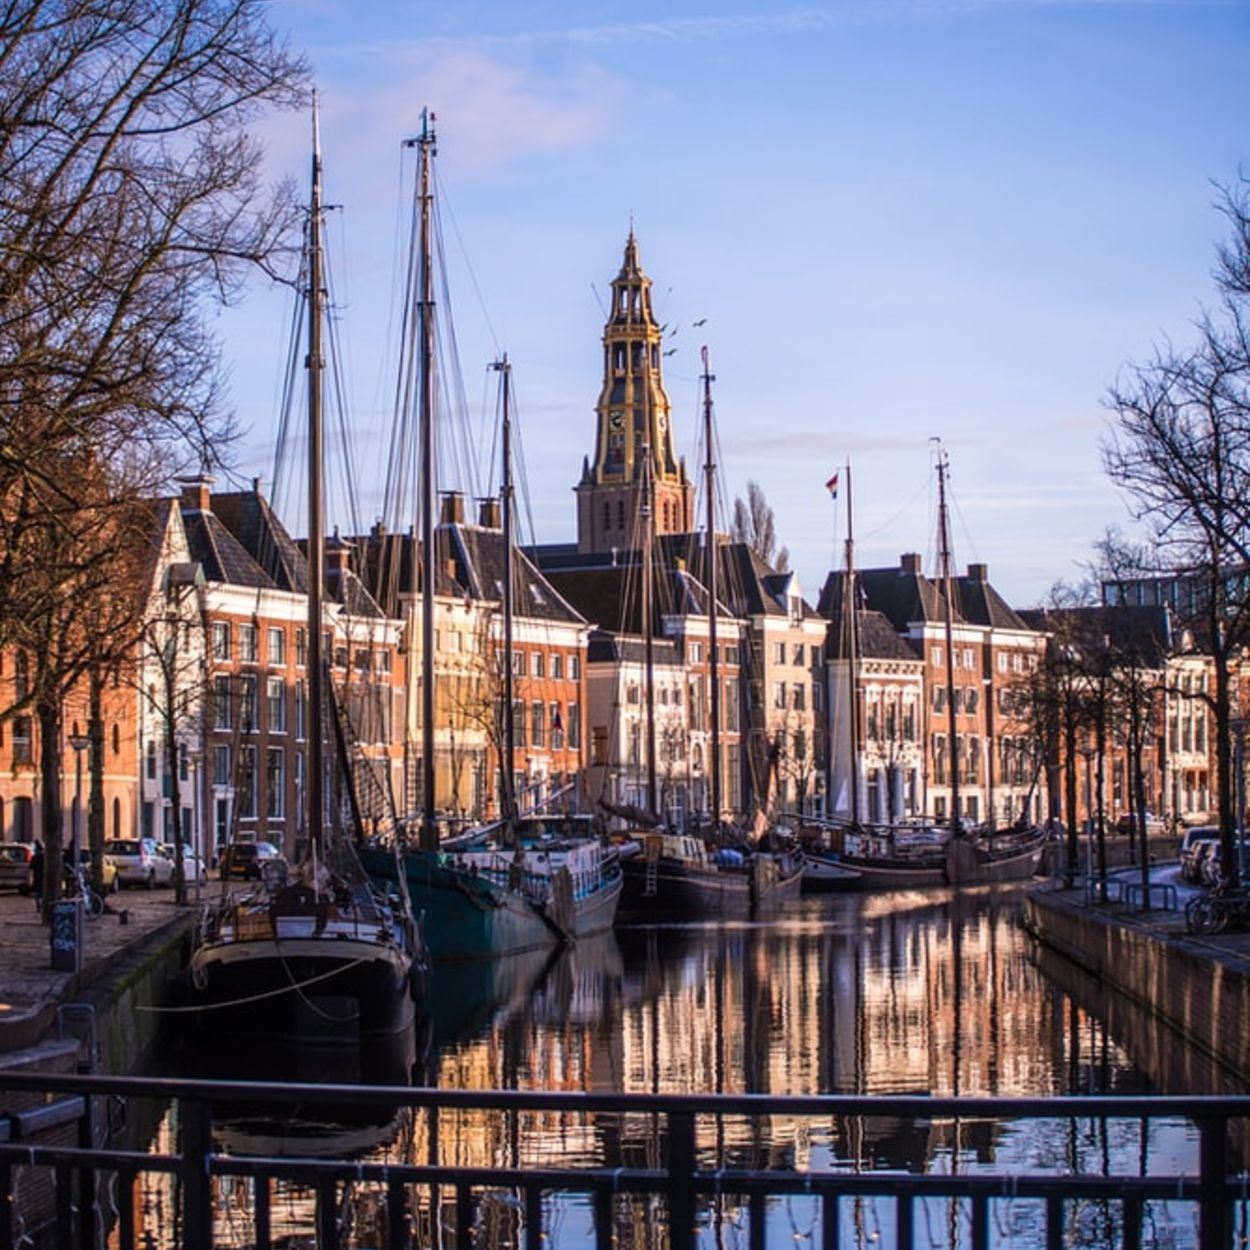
1199	986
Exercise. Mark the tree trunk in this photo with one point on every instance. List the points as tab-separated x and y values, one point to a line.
51	809
1069	795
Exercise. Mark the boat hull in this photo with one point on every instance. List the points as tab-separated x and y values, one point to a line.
675	890
467	916
288	989
823	875
970	862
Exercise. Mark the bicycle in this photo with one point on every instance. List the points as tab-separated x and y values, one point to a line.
78	881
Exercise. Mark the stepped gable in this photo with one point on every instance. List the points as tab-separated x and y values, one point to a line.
252	521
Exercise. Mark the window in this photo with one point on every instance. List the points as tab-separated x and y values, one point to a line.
383	659
730	707
301	709
247	704
221	702
779	652
575	668
221	640
818	655
573	727
557	728
340	657
221	766
557	666
797	654
537	723
800	746
245	796
939	698
798	698
972	697
966	658
247	643
183	762
631	692
275	779
1002	661
277	645
939	758
518	664
731	655
362	662
276	698
936	656
22	750
518	723
779	694
537	664
696	653
301	648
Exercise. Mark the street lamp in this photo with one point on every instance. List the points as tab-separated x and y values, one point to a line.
1088	753
80	742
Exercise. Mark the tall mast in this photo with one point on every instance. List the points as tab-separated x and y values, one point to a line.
648	532
315	781
850	620
944	540
508	727
425	145
713	557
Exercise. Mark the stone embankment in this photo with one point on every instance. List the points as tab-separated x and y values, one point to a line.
1199	986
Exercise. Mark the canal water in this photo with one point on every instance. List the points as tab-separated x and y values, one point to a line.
937	992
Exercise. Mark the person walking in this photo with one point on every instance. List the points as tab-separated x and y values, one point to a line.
36	875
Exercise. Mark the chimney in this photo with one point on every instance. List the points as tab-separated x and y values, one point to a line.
978	572
338	552
453	508
909	562
490	514
197	492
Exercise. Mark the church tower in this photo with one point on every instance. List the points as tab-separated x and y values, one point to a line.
634	454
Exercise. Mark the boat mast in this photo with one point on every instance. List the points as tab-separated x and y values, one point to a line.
648	533
713	557
508	728
314	787
850	619
425	146
943	467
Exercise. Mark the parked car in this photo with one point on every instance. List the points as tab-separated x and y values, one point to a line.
1193	840
193	869
246	859
15	860
139	862
1127	825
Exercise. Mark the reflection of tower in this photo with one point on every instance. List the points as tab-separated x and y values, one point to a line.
632	425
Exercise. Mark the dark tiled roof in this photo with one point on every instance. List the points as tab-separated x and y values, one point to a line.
878	639
608	647
220	554
480	558
249	517
1132	633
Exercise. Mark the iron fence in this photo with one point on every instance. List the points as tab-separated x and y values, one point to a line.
663	1170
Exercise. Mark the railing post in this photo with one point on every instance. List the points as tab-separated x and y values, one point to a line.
1212	1183
681	1180
197	1145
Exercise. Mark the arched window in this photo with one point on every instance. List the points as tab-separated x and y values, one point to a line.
117	818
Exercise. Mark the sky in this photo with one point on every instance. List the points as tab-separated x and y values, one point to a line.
895	220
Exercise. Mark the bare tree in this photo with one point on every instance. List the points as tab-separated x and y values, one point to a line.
755	525
1181	452
131	197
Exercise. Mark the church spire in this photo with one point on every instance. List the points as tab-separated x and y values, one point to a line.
633	425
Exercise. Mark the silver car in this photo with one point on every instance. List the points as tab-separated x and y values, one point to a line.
139	862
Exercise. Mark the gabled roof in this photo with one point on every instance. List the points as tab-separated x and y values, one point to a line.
1131	633
221	555
480	559
877	639
252	521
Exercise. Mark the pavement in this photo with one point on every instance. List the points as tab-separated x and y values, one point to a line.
31	990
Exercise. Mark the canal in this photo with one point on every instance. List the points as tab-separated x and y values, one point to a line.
925	992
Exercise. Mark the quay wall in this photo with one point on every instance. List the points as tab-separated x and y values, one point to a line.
1198	986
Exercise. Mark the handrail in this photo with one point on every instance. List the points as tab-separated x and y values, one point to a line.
685	1172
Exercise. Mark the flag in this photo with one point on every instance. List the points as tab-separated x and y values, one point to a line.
832	486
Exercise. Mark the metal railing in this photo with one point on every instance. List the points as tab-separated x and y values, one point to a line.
677	1164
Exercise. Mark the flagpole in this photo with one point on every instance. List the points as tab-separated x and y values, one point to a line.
850	622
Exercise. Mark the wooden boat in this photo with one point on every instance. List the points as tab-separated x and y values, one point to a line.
498	891
824	873
898	858
315	945
677	877
1005	855
680	875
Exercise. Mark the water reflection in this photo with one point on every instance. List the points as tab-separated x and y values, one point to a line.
924	992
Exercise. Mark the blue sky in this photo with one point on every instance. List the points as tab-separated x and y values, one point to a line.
897	220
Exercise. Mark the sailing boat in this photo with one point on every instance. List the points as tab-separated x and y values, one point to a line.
319	950
678	874
510	889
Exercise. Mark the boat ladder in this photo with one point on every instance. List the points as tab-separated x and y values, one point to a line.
653	873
